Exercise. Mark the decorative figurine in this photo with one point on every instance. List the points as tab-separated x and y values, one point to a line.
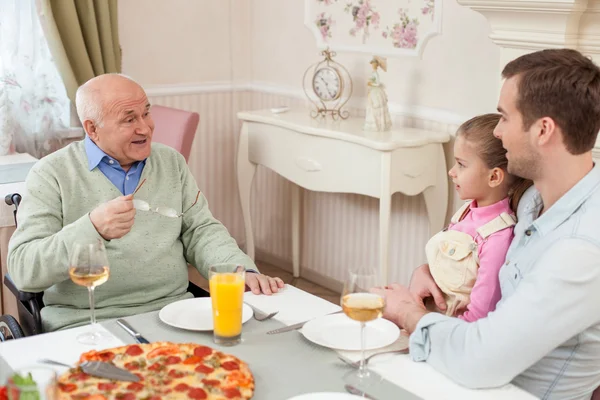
377	116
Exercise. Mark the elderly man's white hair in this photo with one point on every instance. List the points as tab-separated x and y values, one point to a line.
87	102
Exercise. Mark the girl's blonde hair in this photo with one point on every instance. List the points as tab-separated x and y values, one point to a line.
479	131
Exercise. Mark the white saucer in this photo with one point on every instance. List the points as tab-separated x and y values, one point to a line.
194	314
339	332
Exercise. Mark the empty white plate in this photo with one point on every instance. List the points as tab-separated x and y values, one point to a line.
326	396
194	314
339	332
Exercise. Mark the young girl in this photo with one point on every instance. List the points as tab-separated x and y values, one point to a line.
465	258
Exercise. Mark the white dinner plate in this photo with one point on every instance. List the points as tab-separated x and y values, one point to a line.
339	332
194	314
326	396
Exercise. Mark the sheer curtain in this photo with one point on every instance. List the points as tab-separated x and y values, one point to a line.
34	106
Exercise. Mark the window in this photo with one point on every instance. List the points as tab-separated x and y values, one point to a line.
35	112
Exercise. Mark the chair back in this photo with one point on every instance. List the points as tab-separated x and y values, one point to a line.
175	128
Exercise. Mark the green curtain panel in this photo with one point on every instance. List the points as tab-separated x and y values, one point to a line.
83	36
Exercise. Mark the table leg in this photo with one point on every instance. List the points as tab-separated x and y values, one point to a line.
436	197
385	207
296	206
245	174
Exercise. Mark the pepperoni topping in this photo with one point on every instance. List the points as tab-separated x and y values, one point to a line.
156	367
79	376
176	374
202	351
203	369
125	396
135	387
107	386
197	393
67	387
172	360
134	350
193	360
182	387
231	393
132	365
211	382
106	356
230	365
164	351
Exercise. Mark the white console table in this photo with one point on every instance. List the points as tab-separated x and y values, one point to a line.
339	157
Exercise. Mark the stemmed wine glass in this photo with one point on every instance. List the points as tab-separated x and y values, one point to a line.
89	267
362	306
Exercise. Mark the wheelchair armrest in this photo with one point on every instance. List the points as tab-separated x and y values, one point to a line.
20	295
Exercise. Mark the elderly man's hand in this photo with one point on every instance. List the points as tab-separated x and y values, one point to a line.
114	218
423	286
259	283
402	307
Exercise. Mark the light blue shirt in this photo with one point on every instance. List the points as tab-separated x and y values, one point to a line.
126	182
544	335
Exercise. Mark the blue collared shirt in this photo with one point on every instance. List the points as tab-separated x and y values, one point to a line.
126	182
544	335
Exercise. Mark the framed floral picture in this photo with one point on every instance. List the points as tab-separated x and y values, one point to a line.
384	27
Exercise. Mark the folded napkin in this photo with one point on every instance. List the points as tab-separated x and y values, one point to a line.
61	346
424	381
294	305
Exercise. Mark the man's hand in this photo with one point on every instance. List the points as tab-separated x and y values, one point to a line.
114	219
259	283
423	286
402	307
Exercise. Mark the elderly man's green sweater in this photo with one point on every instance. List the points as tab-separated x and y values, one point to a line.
148	266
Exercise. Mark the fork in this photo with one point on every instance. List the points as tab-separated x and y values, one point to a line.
356	364
260	315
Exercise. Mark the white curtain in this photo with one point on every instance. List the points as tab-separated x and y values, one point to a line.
34	107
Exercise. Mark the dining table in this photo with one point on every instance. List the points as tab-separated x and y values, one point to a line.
284	365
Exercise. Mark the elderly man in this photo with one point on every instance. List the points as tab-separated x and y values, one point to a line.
84	192
544	335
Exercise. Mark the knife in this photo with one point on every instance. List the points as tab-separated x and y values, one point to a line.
295	326
352	390
100	369
129	329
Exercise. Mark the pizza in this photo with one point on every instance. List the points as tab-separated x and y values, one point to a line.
166	370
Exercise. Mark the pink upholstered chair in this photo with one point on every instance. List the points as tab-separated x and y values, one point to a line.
175	128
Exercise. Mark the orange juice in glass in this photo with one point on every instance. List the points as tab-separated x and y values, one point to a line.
226	284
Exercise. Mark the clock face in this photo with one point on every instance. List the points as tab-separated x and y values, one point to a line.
327	84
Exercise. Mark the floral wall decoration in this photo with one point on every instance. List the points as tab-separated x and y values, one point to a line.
385	27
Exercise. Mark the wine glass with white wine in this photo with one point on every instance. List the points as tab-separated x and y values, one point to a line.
362	306
88	267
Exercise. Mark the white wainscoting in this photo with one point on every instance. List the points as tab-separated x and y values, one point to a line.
339	230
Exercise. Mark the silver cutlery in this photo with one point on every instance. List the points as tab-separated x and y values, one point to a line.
356	364
293	327
100	369
129	329
261	315
352	390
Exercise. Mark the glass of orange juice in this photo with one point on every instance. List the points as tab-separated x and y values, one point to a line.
226	284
